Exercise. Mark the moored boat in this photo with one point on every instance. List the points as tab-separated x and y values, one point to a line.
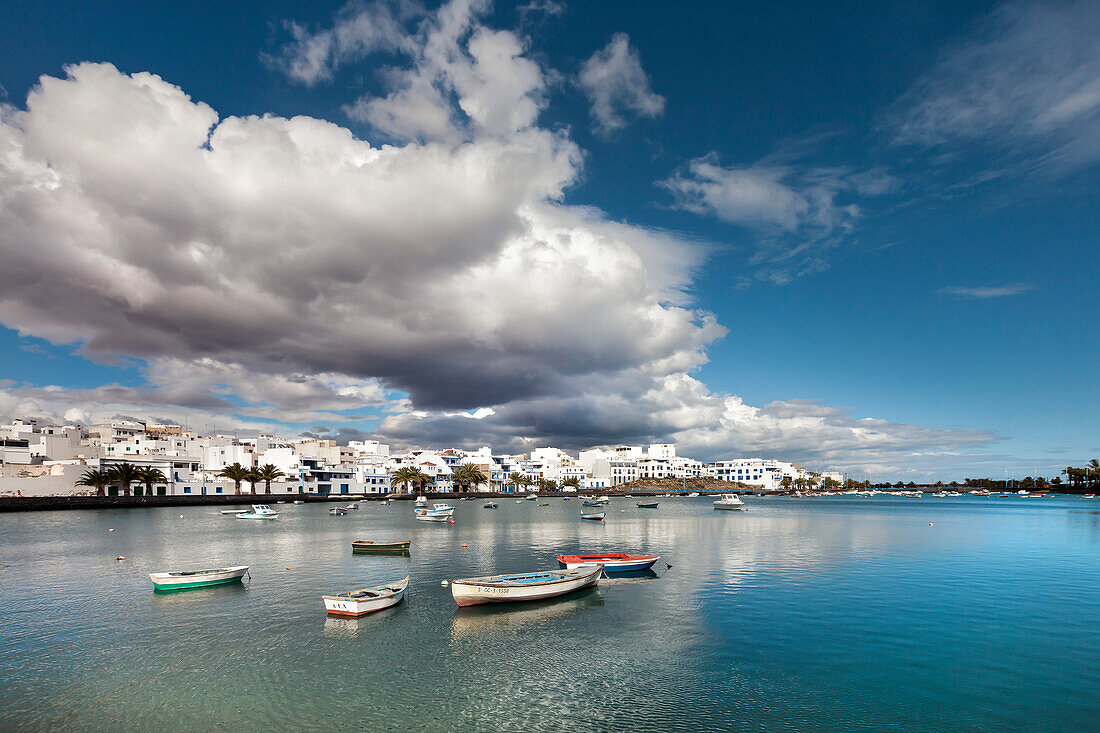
372	546
729	501
647	504
259	511
366	600
611	561
591	502
491	505
337	511
188	579
439	509
594	516
523	586
532	497
299	501
234	511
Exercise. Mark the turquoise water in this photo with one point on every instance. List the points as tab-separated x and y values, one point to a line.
837	614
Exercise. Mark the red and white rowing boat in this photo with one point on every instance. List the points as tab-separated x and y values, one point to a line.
612	561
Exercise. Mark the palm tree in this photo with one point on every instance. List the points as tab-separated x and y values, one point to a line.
96	479
571	481
268	473
253	478
547	484
468	474
402	477
124	474
1092	468
150	476
235	473
421	479
517	480
786	483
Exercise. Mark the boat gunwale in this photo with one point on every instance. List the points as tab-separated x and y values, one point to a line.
199	573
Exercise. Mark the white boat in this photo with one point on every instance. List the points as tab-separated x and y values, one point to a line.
532	497
259	511
233	511
524	586
197	578
693	494
366	600
594	516
299	501
426	517
729	501
337	511
353	505
438	509
422	500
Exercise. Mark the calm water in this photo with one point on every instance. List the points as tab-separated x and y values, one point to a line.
828	614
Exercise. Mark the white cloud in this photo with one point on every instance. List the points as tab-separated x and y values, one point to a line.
1026	83
988	291
617	85
358	31
797	212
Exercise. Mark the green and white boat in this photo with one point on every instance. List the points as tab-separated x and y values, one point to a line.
189	579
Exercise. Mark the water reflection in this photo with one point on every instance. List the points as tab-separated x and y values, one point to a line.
479	619
186	596
337	627
628	576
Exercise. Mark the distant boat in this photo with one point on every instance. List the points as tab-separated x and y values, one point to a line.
612	561
647	504
366	600
729	501
523	586
299	501
234	511
594	516
693	494
432	518
532	497
353	505
259	511
372	546
189	579
544	503
422	500
592	502
337	511
491	505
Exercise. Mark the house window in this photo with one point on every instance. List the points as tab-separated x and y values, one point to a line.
343	488
187	489
218	490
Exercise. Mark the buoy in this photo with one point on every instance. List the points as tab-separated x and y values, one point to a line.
219	562
110	530
929	524
181	516
452	520
443	582
120	557
463	545
288	568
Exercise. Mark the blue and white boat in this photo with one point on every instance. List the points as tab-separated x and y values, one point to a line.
523	586
259	511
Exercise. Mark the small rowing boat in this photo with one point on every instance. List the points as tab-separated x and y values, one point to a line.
592	502
366	600
337	511
491	505
372	546
188	579
611	561
259	511
523	586
594	516
648	504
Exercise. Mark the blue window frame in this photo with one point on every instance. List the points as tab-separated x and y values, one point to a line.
187	489
218	490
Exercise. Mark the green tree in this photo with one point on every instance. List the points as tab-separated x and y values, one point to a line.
572	481
421	479
124	474
786	483
546	484
403	477
268	473
253	477
235	473
517	480
468	474
96	479
150	476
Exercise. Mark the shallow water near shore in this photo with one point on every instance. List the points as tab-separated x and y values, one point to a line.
836	614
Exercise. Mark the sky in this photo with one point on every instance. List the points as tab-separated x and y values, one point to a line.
858	236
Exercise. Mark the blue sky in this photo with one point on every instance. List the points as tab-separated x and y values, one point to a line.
765	225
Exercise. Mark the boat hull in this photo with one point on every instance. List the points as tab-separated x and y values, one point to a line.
729	507
614	563
433	517
200	579
596	517
477	591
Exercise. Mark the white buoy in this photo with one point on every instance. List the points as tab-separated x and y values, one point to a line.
120	557
110	530
443	582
